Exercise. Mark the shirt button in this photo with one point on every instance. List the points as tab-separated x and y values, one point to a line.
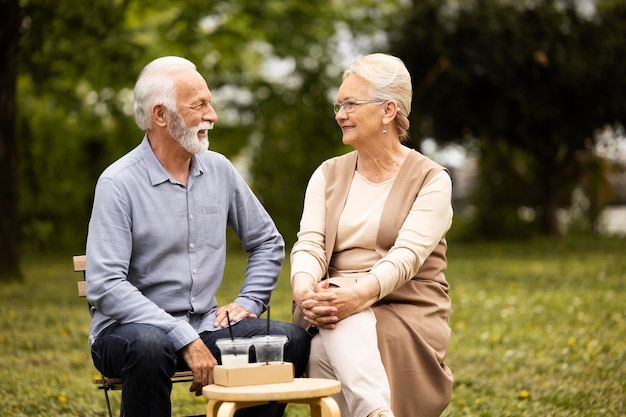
191	245
193	299
191	217
194	271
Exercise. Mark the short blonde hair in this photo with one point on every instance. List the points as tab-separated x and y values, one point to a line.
155	85
389	80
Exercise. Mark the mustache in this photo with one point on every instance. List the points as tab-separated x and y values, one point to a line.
204	126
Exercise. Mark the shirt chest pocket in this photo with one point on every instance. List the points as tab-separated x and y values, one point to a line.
214	223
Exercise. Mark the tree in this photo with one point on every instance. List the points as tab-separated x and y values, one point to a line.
272	67
71	119
531	82
9	35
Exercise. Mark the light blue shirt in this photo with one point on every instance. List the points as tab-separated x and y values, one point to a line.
156	249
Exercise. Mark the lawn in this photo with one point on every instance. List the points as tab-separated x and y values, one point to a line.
539	329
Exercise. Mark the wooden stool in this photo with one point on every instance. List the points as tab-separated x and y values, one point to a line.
224	401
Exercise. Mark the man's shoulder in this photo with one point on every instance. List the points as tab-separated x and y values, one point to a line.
123	164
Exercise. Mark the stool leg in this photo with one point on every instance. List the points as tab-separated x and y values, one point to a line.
324	407
227	409
212	408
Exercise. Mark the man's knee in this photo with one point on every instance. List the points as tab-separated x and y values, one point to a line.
151	342
137	347
299	338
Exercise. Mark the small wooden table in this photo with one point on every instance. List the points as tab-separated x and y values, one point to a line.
224	401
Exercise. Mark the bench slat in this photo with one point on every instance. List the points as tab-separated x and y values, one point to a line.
82	288
80	263
113	383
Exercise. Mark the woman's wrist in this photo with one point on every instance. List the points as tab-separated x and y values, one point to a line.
301	282
368	290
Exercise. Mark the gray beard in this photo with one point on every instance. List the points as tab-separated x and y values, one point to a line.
187	137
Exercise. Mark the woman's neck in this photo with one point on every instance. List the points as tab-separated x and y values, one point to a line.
380	164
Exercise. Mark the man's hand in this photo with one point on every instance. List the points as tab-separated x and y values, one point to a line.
235	313
201	362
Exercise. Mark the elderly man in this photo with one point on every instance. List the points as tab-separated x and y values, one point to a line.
156	250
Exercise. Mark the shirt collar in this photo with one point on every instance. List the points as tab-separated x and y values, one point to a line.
157	173
197	167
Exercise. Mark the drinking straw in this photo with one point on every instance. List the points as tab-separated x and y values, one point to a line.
268	328
230	329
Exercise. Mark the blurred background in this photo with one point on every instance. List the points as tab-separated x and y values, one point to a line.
524	101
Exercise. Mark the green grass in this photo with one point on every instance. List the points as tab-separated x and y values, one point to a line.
539	329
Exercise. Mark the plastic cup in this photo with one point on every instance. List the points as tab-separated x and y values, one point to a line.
269	348
234	352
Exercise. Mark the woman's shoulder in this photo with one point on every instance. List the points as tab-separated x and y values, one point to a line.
417	158
346	159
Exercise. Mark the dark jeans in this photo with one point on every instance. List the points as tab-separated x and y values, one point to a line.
143	356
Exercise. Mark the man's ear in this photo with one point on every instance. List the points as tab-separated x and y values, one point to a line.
159	115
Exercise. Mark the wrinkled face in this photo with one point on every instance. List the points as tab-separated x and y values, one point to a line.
366	119
194	115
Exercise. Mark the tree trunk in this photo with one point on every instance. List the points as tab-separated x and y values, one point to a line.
549	218
9	35
548	200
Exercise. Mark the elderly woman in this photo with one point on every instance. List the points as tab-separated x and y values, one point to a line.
368	267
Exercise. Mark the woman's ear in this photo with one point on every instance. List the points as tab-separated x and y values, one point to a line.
391	109
159	115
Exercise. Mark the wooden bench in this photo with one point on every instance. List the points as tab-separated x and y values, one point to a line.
104	383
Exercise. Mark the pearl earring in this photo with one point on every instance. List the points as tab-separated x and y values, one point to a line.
384	131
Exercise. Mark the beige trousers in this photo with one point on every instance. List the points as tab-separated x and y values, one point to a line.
349	353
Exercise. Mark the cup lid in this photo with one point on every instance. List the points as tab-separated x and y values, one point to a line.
238	341
270	338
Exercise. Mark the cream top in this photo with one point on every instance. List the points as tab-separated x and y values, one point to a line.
429	219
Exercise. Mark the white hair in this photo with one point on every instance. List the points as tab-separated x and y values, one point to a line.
155	85
389	80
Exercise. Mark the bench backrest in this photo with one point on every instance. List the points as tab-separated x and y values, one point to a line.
80	264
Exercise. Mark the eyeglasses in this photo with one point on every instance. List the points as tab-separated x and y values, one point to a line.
350	105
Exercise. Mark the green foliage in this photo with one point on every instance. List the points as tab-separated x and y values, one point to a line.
272	67
72	119
537	330
516	77
497	209
537	76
